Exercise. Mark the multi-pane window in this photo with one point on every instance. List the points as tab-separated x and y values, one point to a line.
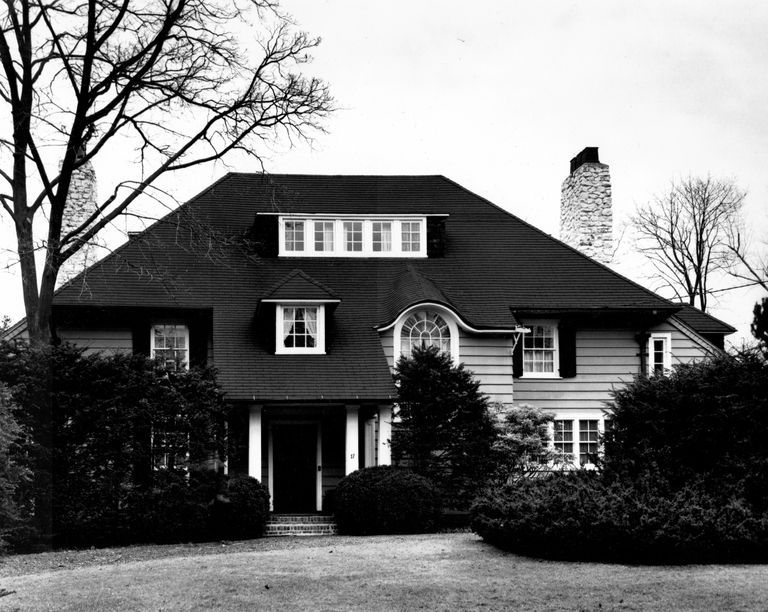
294	235
324	236
563	438
300	327
425	328
353	236
659	355
372	236
410	232
169	445
382	236
170	345
589	438
540	350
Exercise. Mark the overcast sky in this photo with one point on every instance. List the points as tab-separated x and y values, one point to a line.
499	95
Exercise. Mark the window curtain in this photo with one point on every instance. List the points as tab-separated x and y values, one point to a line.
289	315
310	319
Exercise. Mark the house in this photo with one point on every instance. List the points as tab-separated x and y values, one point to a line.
303	291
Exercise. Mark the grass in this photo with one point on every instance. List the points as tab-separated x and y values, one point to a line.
427	572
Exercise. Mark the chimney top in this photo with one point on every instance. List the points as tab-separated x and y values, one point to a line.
588	155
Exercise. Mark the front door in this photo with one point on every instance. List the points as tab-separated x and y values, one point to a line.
294	449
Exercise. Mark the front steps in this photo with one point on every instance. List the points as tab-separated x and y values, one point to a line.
300	525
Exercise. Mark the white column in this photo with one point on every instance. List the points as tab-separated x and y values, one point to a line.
385	435
254	443
352	439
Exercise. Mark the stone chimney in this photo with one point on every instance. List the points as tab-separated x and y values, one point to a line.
81	203
586	215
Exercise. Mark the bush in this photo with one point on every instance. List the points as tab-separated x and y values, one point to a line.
683	479
581	515
103	435
707	421
386	499
241	510
12	474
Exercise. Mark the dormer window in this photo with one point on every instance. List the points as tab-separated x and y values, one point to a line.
367	236
324	236
300	329
353	236
294	236
382	236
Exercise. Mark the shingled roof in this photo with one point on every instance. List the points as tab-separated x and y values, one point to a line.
701	321
494	264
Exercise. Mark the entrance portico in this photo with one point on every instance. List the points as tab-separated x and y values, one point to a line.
301	452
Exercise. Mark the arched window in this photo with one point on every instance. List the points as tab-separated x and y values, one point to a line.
425	328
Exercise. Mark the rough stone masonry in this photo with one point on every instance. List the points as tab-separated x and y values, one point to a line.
586	213
81	203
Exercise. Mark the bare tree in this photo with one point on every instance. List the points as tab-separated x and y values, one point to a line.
749	265
685	234
167	76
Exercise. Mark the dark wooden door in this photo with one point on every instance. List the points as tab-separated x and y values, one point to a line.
294	451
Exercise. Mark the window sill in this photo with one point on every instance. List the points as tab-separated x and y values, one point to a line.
284	352
541	376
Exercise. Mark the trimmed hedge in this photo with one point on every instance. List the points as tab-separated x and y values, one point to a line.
580	515
385	500
684	479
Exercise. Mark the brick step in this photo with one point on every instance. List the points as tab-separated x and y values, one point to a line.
300	525
300	518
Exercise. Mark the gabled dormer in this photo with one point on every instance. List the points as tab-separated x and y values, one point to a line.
297	310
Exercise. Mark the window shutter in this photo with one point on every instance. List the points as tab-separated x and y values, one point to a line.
140	337
265	324
198	344
567	346
517	359
435	237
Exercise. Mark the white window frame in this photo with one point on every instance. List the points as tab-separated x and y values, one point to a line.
319	348
553	323
284	241
575	419
666	337
447	316
339	244
154	326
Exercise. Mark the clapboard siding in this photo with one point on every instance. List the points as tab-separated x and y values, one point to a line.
605	360
684	348
99	340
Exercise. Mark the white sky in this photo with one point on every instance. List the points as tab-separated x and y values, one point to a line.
498	95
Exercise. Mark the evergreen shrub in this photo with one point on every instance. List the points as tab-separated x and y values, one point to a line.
241	510
384	500
684	478
118	451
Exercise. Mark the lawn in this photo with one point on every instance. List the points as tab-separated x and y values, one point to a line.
428	572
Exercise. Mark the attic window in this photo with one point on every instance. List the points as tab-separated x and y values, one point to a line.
365	236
